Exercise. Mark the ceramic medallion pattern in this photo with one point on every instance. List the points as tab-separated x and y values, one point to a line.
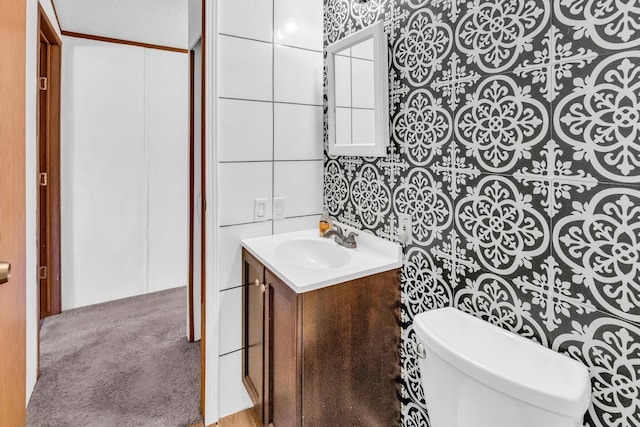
515	149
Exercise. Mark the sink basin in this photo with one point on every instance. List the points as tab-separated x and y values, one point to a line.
306	261
313	254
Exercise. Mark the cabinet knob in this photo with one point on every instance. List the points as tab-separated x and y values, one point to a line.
257	282
262	287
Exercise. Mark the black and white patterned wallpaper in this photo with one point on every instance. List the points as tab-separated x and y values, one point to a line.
515	128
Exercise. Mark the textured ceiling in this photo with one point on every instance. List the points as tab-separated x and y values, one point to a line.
161	22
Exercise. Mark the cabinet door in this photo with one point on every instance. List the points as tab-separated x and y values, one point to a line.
285	354
351	353
253	331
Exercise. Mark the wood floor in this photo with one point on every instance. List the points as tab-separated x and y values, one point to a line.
246	418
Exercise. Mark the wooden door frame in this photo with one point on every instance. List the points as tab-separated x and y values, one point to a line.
47	33
191	187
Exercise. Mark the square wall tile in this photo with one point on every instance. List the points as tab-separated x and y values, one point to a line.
298	75
245	130
301	184
230	250
230	320
298	132
240	184
612	273
233	396
244	69
246	18
298	23
295	224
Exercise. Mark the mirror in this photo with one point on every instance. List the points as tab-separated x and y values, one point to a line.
358	94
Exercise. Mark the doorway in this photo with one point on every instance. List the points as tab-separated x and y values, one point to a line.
48	168
125	159
52	299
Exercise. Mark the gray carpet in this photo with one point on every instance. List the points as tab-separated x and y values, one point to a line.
121	363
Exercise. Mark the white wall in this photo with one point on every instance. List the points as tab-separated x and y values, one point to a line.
195	22
167	146
124	157
47	6
268	136
31	186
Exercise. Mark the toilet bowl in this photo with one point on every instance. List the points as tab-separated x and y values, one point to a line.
475	374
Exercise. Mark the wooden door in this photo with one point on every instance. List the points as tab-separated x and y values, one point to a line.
43	114
12	212
284	355
45	290
253	332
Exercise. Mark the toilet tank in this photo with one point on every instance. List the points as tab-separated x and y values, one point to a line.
475	374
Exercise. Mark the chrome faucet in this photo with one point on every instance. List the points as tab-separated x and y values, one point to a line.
348	241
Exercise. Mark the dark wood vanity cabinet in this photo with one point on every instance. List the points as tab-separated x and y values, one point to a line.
253	336
328	357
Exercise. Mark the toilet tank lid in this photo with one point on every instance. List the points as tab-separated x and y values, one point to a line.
514	365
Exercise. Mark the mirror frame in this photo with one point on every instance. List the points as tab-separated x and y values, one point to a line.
381	94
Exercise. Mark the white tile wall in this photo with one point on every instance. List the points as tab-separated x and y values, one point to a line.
296	23
245	130
244	69
240	184
298	132
230	256
297	75
295	224
301	183
233	396
251	135
230	320
246	18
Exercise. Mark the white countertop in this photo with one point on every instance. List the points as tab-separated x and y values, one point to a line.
373	255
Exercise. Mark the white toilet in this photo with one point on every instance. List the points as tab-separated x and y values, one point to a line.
476	374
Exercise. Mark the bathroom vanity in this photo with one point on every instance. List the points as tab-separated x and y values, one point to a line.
320	352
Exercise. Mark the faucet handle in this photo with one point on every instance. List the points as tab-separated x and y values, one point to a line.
351	240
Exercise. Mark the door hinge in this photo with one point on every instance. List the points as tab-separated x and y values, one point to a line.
43	272
44	83
204	205
43	179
